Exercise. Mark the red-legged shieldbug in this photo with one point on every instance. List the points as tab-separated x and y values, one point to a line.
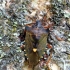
35	49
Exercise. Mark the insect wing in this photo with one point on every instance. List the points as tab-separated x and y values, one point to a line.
42	44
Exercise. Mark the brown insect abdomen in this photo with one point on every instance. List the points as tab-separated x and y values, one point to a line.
33	57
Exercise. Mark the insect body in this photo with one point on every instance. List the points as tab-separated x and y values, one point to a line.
35	43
